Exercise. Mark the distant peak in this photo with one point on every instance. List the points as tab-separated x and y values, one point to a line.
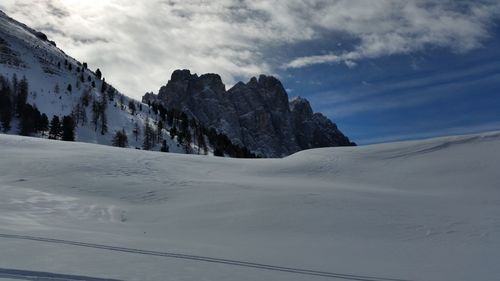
298	99
300	104
180	74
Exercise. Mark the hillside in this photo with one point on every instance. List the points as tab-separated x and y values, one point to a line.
420	210
57	85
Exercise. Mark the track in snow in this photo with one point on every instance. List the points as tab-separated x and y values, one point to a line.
198	258
45	276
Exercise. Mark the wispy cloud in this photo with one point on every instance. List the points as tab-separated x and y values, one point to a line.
404	94
391	27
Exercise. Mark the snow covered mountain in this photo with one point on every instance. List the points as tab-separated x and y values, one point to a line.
191	114
257	115
422	210
39	81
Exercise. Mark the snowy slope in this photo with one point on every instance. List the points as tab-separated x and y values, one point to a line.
422	210
24	54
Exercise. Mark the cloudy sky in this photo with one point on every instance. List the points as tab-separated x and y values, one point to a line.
382	69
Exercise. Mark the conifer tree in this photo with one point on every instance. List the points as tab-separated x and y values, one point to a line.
164	146
28	120
95	114
149	136
120	139
22	95
104	119
6	108
55	128
104	85
136	131
159	129
68	129
98	74
111	92
43	123
131	106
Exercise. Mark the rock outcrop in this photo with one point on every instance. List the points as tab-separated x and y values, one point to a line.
257	114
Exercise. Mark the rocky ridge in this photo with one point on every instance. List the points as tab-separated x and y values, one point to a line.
257	115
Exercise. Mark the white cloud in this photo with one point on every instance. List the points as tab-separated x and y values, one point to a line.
387	27
138	44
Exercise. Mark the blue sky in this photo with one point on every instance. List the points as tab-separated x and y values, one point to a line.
428	93
383	70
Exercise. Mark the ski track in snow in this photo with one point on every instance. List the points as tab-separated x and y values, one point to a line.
201	258
18	274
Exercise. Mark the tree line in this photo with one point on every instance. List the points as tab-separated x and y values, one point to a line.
173	123
14	105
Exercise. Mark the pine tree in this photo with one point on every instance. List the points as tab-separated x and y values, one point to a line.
99	114
104	119
22	95
164	146
149	136
98	74
201	142
111	92
136	131
28	120
15	84
68	129
122	102
55	128
86	97
120	139
6	108
43	123
131	106
95	114
104	85
159	130
79	114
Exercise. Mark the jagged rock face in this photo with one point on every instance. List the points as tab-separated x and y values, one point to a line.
314	129
203	98
264	116
257	115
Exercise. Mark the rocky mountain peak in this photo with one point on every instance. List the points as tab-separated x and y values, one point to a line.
256	114
181	75
301	107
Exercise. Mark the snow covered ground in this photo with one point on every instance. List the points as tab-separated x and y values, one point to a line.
421	210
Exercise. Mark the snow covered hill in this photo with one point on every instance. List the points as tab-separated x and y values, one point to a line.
421	210
59	85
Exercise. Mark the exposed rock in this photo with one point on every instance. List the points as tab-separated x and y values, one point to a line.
257	114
